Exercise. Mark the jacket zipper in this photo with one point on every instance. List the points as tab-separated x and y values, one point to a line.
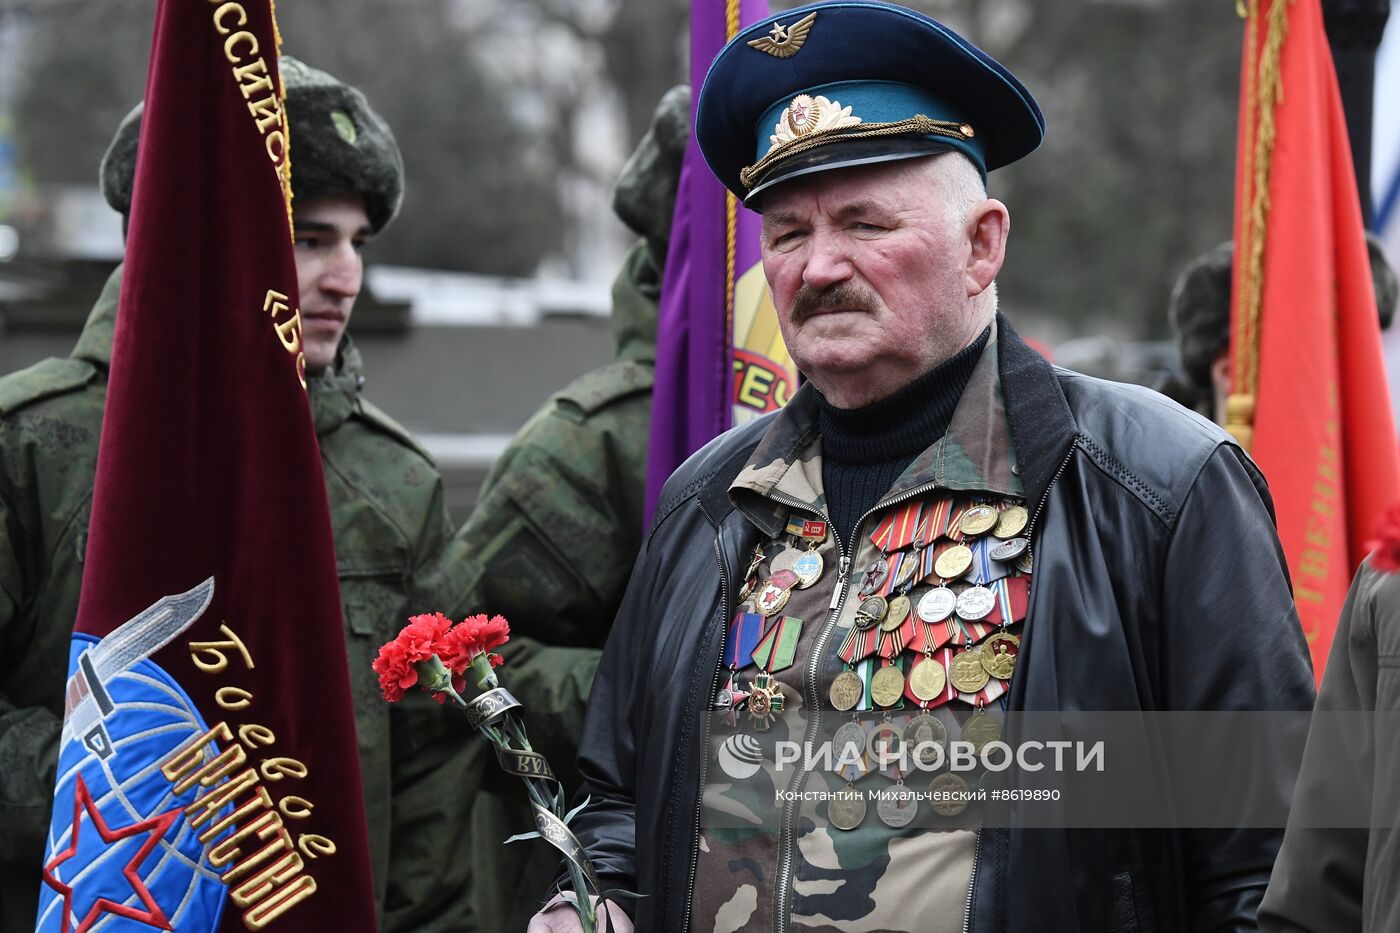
972	880
1030	547
782	906
705	729
1045	497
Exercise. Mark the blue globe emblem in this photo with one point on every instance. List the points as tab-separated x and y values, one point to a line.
122	855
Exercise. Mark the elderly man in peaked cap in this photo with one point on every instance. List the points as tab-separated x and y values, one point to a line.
386	508
856	569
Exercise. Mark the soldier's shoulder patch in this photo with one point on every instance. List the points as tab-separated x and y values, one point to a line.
594	391
43	380
379	420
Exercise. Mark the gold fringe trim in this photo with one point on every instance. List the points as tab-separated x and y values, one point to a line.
285	174
1262	96
731	210
916	125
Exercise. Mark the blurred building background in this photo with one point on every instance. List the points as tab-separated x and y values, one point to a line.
491	289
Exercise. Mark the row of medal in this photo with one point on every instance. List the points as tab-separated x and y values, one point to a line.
938	624
858	749
937	615
981	566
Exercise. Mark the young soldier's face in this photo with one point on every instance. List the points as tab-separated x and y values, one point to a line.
328	237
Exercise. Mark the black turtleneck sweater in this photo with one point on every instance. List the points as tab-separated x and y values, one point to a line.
864	450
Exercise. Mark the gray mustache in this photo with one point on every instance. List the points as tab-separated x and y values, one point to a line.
809	301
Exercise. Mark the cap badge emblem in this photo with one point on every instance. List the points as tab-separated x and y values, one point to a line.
344	126
785	41
808	116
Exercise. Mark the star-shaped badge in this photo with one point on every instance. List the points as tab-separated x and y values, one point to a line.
156	826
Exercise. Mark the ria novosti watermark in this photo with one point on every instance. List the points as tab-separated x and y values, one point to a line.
931	756
1203	769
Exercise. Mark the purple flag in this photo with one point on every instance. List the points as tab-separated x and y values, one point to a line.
719	357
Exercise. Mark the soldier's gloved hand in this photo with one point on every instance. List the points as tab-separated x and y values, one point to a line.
558	916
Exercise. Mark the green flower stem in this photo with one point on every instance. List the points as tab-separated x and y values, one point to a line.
435	677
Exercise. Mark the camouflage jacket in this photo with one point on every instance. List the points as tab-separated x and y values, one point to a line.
388	519
1136	510
550	545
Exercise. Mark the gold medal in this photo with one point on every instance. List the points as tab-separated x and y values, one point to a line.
967	673
949	794
896	611
907	568
765	700
953	562
887	686
978	520
1023	563
846	812
1012	522
871	613
999	655
980	729
928	680
846	691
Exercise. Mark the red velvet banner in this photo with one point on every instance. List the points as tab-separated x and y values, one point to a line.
208	773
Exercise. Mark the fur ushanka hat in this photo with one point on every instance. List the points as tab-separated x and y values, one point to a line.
339	146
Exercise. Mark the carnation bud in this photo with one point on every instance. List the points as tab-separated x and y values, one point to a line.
433	675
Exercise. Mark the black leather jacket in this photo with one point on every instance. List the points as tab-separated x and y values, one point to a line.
1157	531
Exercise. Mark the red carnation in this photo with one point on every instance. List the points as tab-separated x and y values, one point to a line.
1385	546
442	658
396	665
473	636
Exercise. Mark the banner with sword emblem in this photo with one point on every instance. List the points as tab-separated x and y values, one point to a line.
208	776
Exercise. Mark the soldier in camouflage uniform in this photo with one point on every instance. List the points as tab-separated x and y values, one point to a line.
387	513
554	533
828	585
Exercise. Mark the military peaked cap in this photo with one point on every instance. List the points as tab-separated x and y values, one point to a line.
830	85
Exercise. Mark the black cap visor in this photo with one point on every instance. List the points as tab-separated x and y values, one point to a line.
846	154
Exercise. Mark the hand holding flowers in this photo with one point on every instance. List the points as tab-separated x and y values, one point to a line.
438	656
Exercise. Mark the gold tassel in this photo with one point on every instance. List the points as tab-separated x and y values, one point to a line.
1262	97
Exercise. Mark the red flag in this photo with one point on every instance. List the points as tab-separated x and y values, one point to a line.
1305	343
208	775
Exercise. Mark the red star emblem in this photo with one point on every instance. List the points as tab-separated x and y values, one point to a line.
155	826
